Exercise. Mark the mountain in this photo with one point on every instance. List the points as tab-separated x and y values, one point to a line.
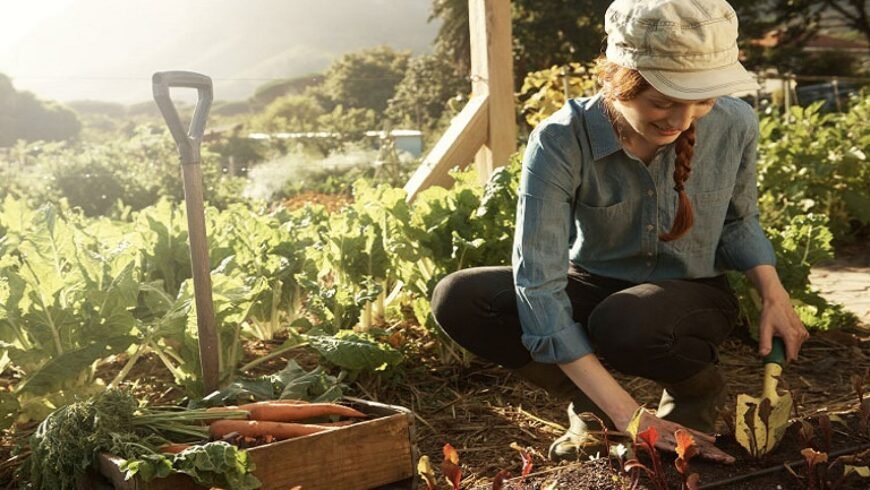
108	49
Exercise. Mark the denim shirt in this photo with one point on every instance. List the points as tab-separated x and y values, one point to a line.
583	198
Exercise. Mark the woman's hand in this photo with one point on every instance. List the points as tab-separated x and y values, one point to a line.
779	318
666	440
777	314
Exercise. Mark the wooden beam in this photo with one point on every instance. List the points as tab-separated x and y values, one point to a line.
492	74
465	135
486	130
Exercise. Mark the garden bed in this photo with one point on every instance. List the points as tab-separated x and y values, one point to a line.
745	474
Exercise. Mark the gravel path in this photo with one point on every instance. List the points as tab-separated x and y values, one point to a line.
846	280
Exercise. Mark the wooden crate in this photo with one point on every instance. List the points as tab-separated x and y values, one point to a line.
377	453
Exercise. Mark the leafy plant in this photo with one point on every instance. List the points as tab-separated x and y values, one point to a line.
686	450
65	304
214	464
646	440
68	441
815	163
544	91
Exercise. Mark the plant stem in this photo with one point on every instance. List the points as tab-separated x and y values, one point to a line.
270	356
141	350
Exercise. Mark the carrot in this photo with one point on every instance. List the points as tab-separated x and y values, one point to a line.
173	447
258	428
283	401
282	412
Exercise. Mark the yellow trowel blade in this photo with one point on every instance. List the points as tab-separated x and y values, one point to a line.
761	422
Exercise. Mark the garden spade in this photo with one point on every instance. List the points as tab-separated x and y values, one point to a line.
761	422
188	143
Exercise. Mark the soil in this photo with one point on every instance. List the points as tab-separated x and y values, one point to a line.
599	474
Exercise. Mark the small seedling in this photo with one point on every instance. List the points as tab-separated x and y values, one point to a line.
686	450
450	466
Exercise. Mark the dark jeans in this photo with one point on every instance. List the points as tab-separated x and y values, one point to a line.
664	330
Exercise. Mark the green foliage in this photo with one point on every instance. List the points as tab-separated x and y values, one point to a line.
545	34
297	113
292	383
423	94
268	92
105	178
67	442
543	92
796	22
364	79
817	163
213	465
355	351
804	241
24	117
65	305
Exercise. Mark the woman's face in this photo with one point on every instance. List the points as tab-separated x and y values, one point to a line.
659	119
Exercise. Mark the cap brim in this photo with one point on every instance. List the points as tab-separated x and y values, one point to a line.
688	85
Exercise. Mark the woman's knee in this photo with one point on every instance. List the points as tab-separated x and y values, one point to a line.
613	325
459	296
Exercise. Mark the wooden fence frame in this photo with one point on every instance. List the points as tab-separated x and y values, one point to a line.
485	131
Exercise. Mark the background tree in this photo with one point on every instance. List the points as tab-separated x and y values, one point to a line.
363	79
289	113
796	22
557	32
24	117
548	33
422	96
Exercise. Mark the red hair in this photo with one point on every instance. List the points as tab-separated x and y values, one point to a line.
620	83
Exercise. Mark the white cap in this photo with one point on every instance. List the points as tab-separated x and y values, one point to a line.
686	49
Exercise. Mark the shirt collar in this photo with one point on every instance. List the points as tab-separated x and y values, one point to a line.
602	136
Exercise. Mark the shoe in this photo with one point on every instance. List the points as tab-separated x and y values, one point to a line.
695	402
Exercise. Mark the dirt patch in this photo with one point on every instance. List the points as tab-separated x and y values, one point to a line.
745	474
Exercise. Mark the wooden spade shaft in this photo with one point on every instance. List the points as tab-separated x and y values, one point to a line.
200	267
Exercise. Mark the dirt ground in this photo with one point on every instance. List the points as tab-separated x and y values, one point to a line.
481	409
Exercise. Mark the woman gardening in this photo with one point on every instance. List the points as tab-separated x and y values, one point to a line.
632	205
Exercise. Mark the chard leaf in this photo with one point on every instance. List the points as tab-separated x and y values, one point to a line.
50	377
356	351
217	464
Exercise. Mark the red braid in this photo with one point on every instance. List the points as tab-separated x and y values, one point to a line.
625	84
684	148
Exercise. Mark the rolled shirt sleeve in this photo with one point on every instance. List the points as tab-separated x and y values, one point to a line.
541	247
743	244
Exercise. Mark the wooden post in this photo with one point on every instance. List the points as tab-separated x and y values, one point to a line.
486	129
492	74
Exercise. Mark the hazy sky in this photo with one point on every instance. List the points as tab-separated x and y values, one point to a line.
108	49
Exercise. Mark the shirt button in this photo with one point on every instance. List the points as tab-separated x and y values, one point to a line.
649	264
650	193
650	227
649	254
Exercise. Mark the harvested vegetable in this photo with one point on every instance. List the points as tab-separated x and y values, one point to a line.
258	428
284	412
67	442
216	464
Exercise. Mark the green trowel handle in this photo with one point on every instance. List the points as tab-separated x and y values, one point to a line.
777	352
